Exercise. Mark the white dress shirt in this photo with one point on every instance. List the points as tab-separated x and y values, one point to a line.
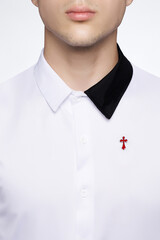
63	172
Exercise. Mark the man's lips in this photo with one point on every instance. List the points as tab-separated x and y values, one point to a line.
80	13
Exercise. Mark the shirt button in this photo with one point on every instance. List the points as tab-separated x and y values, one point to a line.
75	98
84	139
84	192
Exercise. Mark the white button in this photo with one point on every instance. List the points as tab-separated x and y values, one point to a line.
84	139
75	99
84	192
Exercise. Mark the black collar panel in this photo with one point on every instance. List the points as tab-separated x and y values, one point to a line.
107	93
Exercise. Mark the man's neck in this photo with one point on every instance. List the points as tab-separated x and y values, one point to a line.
81	68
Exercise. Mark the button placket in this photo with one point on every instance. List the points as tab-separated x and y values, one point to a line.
85	169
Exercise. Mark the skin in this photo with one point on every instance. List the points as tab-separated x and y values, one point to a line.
81	52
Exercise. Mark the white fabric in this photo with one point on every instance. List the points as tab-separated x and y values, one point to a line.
63	172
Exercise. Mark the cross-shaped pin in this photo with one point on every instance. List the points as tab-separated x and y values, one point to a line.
123	140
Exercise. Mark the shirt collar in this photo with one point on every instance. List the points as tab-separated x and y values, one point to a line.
52	87
105	94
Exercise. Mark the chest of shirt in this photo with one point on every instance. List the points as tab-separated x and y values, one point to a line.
57	145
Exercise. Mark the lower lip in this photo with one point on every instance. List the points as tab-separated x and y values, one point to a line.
80	16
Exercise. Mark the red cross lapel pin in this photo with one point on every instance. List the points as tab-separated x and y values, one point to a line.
123	140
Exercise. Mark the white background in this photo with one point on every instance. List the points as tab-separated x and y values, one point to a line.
22	35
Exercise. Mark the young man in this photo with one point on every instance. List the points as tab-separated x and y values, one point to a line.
79	134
